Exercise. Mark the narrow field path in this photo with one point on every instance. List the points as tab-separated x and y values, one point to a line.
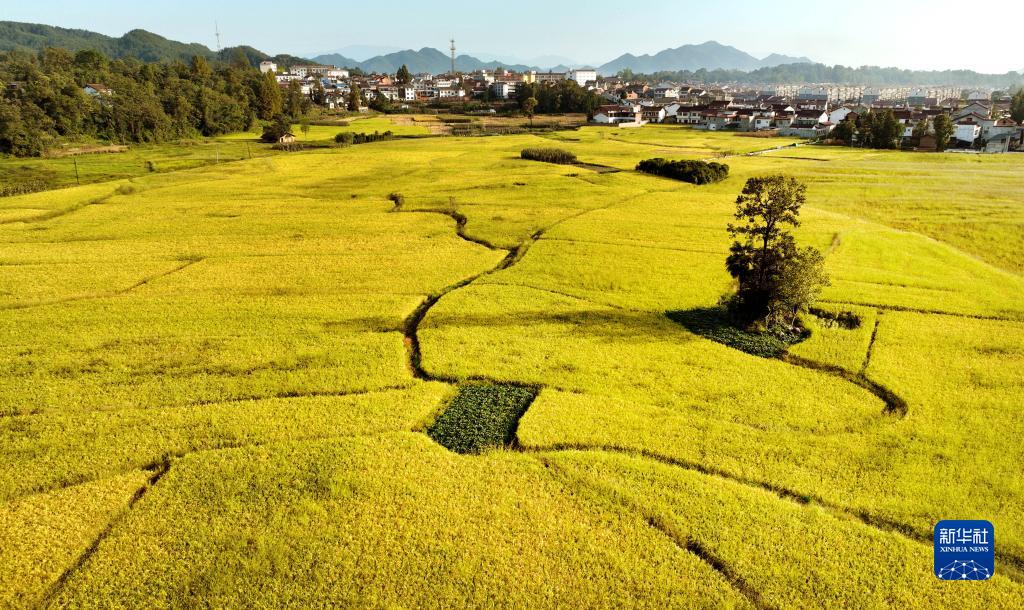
412	322
51	214
933	312
683	543
865	518
894	405
105	295
54	591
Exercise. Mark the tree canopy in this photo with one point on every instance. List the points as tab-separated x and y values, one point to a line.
1017	105
403	76
563	96
944	128
776	280
138	102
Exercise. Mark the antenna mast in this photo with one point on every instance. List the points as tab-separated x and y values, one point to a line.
216	31
453	56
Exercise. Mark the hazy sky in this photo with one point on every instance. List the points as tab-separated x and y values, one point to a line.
934	34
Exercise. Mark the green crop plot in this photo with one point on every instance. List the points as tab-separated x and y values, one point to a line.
222	385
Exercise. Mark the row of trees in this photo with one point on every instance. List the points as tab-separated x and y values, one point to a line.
883	130
44	101
561	97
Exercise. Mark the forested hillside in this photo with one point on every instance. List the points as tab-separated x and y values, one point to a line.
44	99
138	44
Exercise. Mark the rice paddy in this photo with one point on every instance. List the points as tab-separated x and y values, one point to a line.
221	385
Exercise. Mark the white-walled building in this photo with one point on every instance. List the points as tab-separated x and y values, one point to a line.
503	90
967	131
583	75
839	114
615	114
267	66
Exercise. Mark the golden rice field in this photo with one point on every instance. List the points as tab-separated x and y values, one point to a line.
217	384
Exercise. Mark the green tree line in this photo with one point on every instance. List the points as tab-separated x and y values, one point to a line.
561	97
43	99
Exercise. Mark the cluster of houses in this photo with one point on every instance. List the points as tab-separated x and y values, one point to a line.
806	112
979	121
492	84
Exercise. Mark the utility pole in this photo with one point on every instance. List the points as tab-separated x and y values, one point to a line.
78	178
453	56
216	32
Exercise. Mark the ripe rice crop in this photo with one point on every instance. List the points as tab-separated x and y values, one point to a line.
219	383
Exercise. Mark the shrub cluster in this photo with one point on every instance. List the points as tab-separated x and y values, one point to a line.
549	155
836	319
348	138
714	323
694	172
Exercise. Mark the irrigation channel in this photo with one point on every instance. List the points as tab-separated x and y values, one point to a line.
494	408
514	399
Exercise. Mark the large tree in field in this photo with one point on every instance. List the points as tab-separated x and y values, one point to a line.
943	131
776	280
529	105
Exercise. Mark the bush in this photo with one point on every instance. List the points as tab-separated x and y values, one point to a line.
277	128
549	155
836	319
349	138
715	323
694	172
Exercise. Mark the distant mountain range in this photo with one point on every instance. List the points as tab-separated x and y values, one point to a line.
358	52
426	59
727	63
139	44
709	56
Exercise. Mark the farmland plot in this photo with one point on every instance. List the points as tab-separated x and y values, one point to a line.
234	371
